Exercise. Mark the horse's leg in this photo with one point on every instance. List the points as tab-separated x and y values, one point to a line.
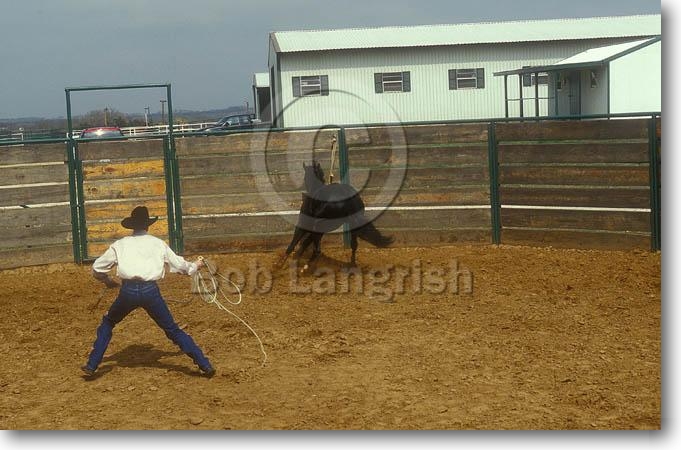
316	239
309	237
353	246
297	236
317	249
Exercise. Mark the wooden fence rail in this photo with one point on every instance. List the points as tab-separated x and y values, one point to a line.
587	183
35	222
571	184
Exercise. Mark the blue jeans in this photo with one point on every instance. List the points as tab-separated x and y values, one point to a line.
143	294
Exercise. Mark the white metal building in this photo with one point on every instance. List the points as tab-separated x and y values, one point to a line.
427	73
618	78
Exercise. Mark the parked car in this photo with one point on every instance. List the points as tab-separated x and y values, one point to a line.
101	132
233	122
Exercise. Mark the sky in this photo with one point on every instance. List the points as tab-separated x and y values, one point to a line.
207	49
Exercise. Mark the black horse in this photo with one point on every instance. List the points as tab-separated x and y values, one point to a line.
326	207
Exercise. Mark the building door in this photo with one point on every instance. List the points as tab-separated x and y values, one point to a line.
575	93
264	109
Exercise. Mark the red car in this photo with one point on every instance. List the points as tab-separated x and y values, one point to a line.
101	132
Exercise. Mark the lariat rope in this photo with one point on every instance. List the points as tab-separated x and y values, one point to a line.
208	287
333	159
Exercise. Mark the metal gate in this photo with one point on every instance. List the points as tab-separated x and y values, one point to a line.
106	181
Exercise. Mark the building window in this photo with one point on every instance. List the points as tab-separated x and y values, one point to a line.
310	85
392	82
529	79
467	79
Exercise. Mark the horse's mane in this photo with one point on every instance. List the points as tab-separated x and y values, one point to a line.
319	172
314	174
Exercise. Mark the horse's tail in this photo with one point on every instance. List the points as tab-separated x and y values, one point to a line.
371	234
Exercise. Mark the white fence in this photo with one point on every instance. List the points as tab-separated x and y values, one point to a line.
127	131
13	136
158	129
163	129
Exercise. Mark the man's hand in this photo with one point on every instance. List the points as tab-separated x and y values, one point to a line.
199	262
111	284
104	278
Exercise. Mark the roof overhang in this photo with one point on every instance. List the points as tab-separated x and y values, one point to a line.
618	51
261	80
551	68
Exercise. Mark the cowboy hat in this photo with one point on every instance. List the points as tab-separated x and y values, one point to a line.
139	219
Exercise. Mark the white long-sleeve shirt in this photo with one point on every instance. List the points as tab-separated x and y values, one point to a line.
142	257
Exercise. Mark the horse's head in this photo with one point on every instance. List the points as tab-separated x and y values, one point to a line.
314	175
319	172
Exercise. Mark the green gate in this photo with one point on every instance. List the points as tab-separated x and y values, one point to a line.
146	158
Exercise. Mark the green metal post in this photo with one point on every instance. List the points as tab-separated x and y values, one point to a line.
169	97
536	93
169	165
506	96
495	203
344	169
655	197
81	204
172	195
177	199
69	122
73	200
522	101
555	94
73	184
178	243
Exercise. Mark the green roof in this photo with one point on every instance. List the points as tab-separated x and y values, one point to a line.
468	33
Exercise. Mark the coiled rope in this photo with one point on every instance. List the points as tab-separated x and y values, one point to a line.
207	285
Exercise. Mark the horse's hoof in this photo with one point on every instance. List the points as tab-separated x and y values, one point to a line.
279	262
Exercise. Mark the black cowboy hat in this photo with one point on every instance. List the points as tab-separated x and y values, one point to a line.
139	219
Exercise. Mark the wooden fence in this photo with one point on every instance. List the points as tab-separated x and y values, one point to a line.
585	183
568	184
35	217
443	194
243	191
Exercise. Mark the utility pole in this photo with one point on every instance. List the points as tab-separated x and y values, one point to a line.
163	113
106	113
146	116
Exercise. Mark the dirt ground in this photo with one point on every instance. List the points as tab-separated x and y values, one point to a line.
545	339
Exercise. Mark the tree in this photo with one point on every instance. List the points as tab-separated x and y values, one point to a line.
101	117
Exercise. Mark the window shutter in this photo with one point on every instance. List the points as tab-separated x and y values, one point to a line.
452	79
481	78
406	82
324	80
527	79
378	82
296	87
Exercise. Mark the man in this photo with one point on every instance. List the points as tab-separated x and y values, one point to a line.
141	260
